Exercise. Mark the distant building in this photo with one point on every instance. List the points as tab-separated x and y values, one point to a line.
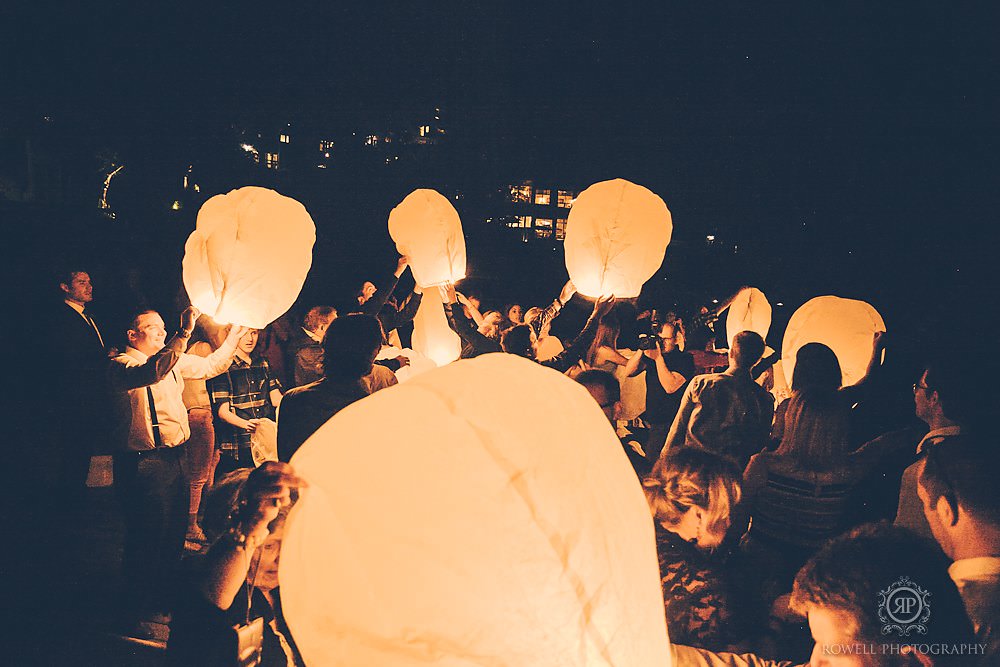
537	210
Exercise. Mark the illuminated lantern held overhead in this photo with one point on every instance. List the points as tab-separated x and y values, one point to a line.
616	235
473	528
248	256
749	311
427	229
846	326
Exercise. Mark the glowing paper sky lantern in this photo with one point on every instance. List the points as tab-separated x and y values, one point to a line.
478	528
427	229
432	337
846	326
616	235
418	362
749	311
248	256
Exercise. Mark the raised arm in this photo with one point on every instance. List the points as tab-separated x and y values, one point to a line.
474	313
193	367
858	389
265	492
462	325
123	378
565	360
374	305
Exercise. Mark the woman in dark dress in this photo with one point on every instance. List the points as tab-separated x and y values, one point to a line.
691	494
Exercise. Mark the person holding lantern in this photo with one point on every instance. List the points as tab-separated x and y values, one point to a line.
151	428
244	397
381	303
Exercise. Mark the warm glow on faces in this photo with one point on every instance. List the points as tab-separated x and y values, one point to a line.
516	314
833	632
248	342
668	338
933	518
267	567
149	335
921	398
368	290
79	290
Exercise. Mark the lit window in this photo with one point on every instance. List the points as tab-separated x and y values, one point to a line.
271	160
543	233
185	182
197	188
284	138
543	222
176	205
543	197
325	145
565	198
561	229
371	140
524	221
520	193
425	130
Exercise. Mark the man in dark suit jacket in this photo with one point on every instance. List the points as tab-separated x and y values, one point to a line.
80	403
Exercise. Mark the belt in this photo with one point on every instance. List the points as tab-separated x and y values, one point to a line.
158	451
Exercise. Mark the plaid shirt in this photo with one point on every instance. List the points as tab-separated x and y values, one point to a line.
246	387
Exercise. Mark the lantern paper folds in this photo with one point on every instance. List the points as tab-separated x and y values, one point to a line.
248	256
749	311
846	326
493	520
616	236
432	336
427	229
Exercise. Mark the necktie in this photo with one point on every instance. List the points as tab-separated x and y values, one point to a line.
94	325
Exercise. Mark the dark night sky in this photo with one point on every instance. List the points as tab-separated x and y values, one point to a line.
860	138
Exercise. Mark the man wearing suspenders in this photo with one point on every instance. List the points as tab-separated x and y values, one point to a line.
151	427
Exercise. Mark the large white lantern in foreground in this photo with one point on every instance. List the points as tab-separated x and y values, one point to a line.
846	326
749	311
493	520
427	229
616	235
248	256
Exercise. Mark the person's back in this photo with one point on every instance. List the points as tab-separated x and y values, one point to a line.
803	507
731	415
727	413
349	350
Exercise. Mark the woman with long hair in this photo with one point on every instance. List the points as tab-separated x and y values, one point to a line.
801	494
692	494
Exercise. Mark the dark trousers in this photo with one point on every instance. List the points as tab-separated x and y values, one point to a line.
154	494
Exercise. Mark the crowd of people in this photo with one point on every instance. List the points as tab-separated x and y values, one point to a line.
769	515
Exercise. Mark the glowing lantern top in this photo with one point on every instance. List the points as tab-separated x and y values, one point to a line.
749	311
475	530
248	256
846	326
616	235
427	229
